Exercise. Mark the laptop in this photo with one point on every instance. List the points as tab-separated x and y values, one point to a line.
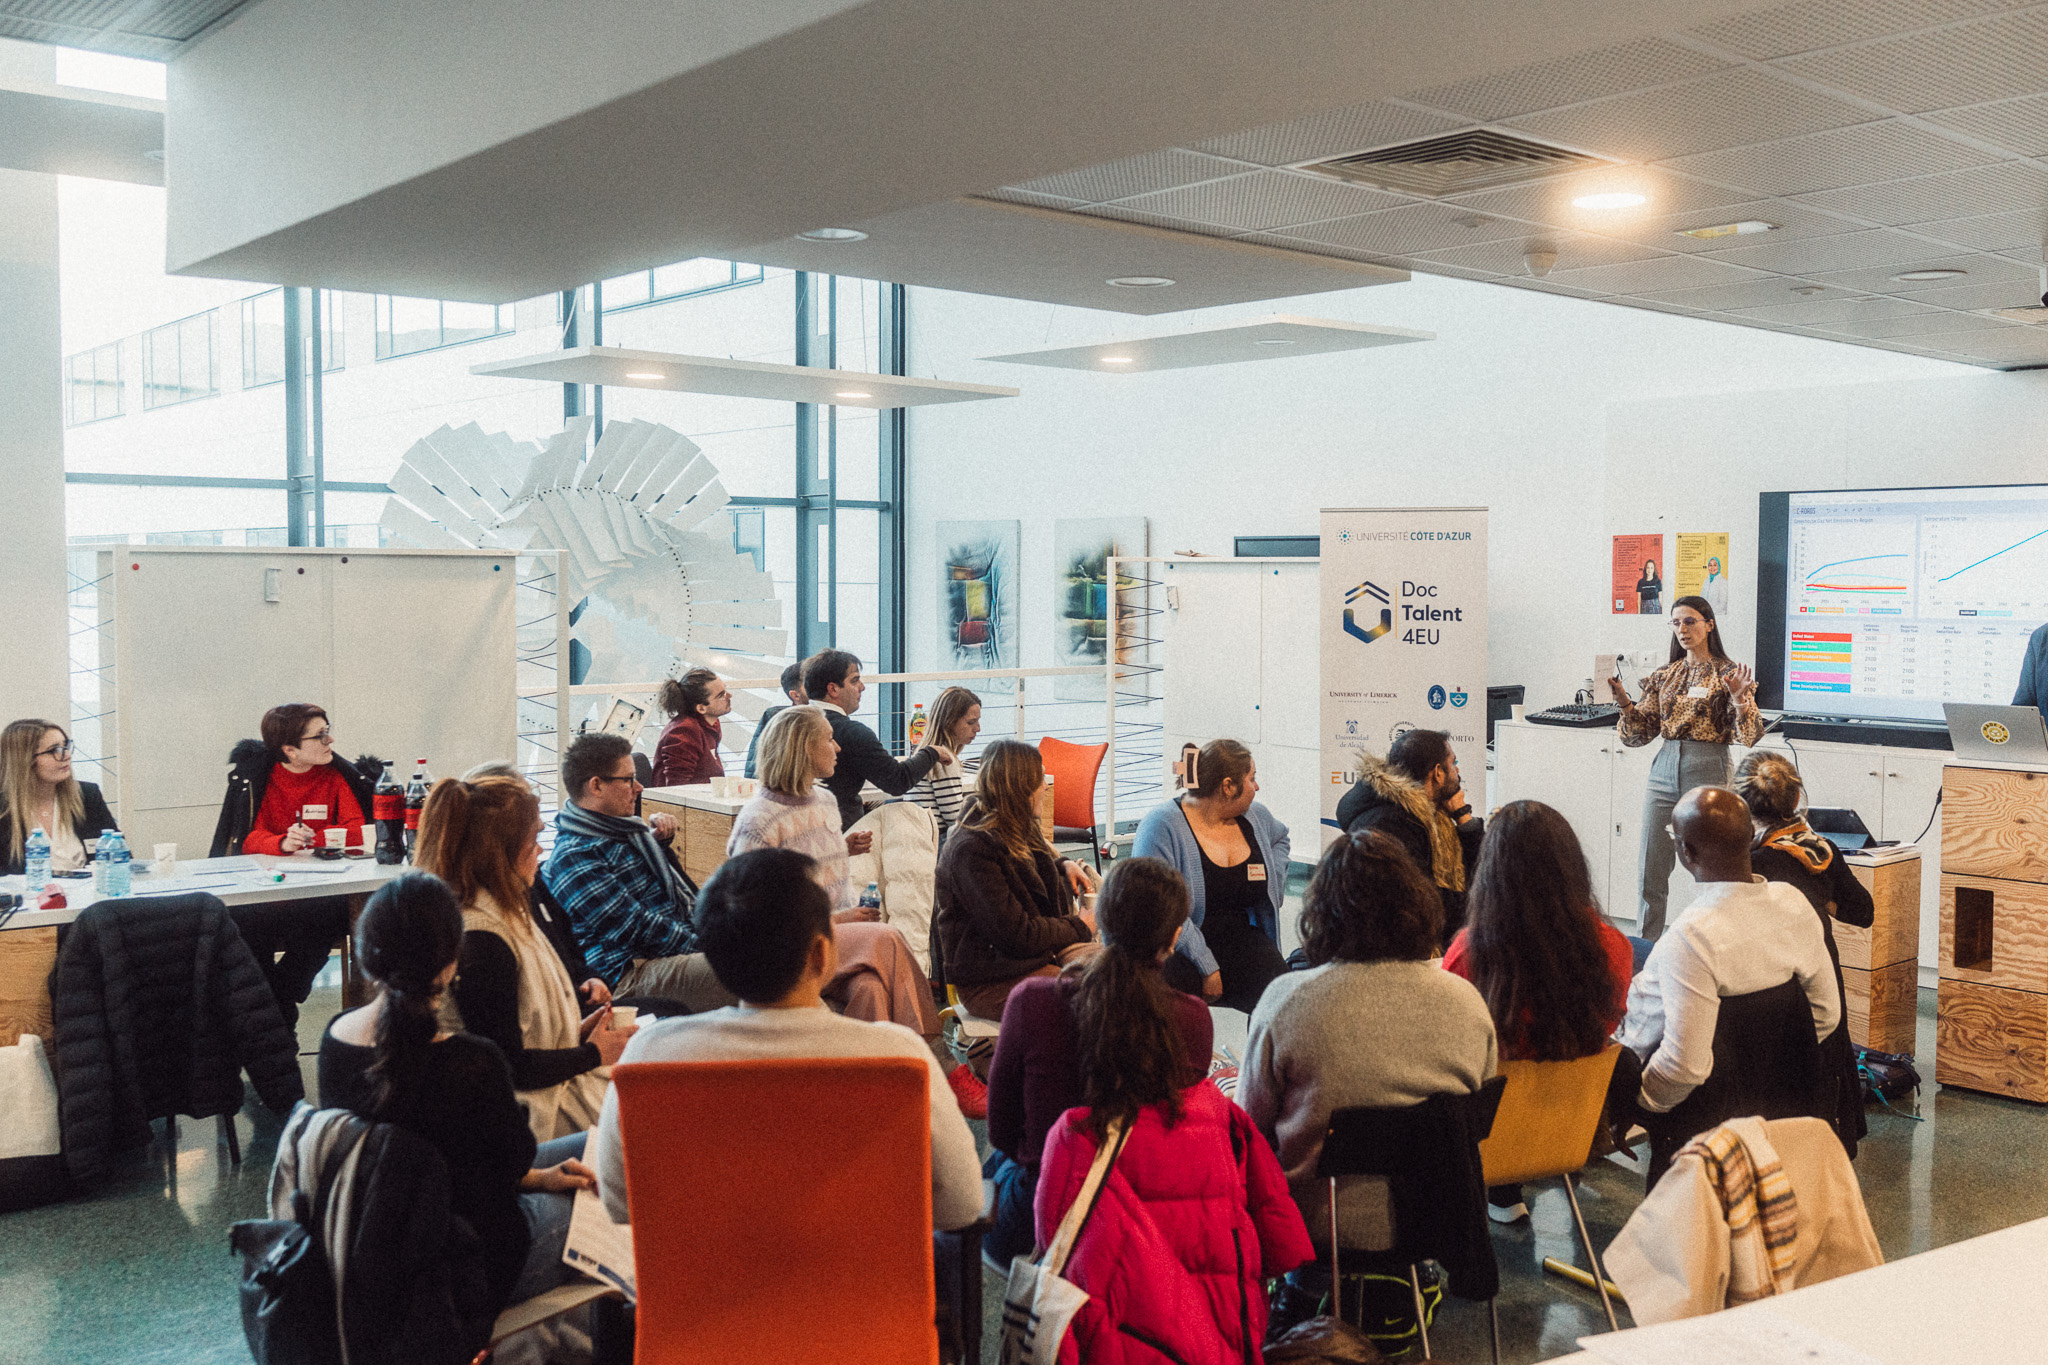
2002	734
1840	826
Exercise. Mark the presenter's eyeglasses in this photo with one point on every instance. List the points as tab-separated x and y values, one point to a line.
55	751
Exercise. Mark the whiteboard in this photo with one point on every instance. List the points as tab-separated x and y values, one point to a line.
1242	660
412	654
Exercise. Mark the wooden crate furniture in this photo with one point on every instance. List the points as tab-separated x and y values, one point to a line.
1880	965
1991	1019
703	824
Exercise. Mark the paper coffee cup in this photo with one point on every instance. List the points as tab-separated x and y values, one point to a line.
623	1016
166	860
335	836
1517	711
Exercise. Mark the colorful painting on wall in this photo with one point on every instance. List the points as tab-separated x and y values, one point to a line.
978	596
1081	591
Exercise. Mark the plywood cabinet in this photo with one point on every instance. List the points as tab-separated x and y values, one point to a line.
1991	1021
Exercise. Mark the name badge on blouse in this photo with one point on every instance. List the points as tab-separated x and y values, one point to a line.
1696	692
1255	872
312	812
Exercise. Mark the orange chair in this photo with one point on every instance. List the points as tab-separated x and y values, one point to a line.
781	1210
1072	768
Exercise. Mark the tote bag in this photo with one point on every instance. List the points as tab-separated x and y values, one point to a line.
31	1151
1038	1305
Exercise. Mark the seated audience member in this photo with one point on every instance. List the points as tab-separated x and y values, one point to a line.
1005	900
1233	853
687	752
392	1062
1036	1074
284	792
832	680
1740	934
766	925
1371	1022
1553	973
1194	1216
878	975
955	721
38	791
1417	796
483	839
793	688
1787	850
615	874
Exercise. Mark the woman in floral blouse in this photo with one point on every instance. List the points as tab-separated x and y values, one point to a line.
1701	702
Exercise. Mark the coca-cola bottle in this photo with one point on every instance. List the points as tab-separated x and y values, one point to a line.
387	808
415	800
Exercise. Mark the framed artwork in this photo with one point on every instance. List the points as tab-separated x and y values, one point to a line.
1081	592
978	596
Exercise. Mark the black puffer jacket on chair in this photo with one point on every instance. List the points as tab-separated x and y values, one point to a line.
159	1008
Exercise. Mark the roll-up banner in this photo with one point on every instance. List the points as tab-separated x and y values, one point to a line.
1404	634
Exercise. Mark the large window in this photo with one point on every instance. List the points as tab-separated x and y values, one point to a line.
678	281
92	384
177	361
263	337
406	326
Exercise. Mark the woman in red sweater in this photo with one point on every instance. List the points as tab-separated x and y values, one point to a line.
305	796
1553	973
687	752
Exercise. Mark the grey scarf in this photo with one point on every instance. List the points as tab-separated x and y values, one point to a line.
631	829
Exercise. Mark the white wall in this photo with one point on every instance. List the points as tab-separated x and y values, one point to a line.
36	679
1509	408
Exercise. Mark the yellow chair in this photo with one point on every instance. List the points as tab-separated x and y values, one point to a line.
1548	1120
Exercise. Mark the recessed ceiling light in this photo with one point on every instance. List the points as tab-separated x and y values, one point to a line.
1274	341
1116	360
1930	274
1746	226
644	374
1140	281
1610	199
852	393
1808	290
834	235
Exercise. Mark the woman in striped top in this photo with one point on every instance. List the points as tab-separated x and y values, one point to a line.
955	721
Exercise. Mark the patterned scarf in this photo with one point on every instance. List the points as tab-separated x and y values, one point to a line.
1756	1198
631	829
1812	852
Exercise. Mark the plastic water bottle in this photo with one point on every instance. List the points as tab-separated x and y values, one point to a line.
36	860
871	899
120	872
100	861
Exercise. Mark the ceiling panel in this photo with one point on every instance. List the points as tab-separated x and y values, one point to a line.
1793	223
1411	230
1263	200
1820	312
1829	23
1033	198
1659	275
1849	251
2022	232
154	29
1889	150
2012	345
1754	292
1989	59
1882	279
1570	80
1984	189
1728	109
1941	320
1162	170
1339	132
1574	251
2019	126
1550	201
2020	293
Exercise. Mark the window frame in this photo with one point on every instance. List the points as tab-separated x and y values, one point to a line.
71	381
176	328
502	319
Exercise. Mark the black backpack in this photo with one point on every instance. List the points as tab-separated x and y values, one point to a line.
288	1300
1886	1076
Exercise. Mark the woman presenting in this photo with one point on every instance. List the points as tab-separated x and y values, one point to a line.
1701	702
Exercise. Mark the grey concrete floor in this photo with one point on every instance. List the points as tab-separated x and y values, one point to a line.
140	1272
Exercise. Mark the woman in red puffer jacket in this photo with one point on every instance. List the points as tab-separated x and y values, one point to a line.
1195	1214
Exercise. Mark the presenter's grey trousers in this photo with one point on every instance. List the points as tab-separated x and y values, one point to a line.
1680	765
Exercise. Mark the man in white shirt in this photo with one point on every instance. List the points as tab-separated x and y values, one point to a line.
766	925
1740	934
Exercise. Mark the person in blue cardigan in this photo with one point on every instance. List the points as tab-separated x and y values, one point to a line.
1233	854
2033	688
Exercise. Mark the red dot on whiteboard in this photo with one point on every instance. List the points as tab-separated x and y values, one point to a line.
134	566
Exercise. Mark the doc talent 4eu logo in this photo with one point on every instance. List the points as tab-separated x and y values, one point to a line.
1373	590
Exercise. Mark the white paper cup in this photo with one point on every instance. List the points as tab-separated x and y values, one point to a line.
335	836
624	1016
166	860
1517	711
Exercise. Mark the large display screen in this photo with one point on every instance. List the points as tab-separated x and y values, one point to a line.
1888	602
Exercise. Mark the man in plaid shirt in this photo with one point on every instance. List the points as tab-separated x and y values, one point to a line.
615	876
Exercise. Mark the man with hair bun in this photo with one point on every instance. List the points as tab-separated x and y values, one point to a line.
687	752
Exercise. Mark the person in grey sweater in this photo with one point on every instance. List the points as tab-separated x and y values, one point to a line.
1372	1022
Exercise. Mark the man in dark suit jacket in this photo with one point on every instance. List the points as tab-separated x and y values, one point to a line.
793	688
832	680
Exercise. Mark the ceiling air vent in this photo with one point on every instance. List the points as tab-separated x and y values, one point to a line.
1455	164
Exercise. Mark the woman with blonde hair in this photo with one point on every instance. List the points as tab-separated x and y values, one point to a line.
1006	906
483	839
955	721
39	791
878	977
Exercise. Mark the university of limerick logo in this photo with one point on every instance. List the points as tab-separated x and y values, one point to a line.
1368	634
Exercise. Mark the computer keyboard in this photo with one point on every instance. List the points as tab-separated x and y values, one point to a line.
1579	715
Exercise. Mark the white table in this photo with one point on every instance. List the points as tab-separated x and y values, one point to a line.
1974	1300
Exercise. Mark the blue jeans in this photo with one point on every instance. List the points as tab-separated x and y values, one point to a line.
547	1220
1014	1232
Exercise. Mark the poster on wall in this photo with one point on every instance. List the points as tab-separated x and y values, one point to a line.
978	597
1638	586
1403	627
1081	591
1702	567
